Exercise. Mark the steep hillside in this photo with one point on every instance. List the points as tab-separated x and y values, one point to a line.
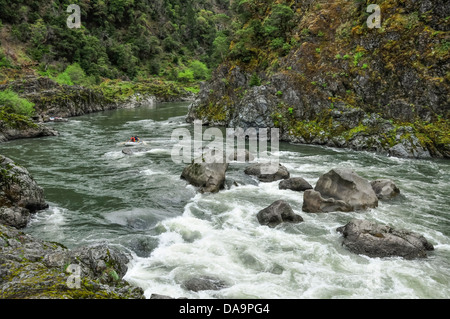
319	73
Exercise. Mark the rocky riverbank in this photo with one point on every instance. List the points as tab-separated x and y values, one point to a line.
53	100
35	269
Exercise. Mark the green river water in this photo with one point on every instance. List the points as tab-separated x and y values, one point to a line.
98	194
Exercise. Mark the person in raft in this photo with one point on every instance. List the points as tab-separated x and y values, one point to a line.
135	139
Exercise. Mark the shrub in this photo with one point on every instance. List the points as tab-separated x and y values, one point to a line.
15	104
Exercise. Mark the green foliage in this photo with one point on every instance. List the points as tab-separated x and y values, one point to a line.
10	101
122	38
255	80
200	70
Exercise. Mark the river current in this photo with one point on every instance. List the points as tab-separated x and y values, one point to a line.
98	194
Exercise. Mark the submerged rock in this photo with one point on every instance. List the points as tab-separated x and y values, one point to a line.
374	240
346	186
385	189
296	184
277	213
204	283
267	172
134	150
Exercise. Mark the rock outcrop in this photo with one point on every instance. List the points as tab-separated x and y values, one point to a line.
20	195
341	84
277	213
374	240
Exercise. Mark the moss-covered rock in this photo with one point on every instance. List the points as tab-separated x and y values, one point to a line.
34	269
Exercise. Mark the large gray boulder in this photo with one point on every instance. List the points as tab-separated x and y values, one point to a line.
209	177
374	240
277	213
267	172
385	189
313	202
347	186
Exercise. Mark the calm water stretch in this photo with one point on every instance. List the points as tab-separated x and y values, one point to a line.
98	194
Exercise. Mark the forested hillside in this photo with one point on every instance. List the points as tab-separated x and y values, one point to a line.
118	38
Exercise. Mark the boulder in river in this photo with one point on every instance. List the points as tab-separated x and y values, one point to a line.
347	186
375	240
204	283
209	177
296	184
385	189
267	172
313	202
277	213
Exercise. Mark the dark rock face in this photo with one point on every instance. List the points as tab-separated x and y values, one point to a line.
385	189
296	184
19	194
347	186
267	172
44	272
374	240
277	213
210	178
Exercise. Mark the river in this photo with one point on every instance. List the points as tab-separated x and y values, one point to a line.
98	194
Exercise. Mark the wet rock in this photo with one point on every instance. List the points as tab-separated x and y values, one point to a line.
296	184
210	178
204	283
35	269
385	189
19	194
313	202
267	172
375	240
347	186
14	216
277	213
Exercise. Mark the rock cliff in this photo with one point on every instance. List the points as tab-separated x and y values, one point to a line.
338	82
